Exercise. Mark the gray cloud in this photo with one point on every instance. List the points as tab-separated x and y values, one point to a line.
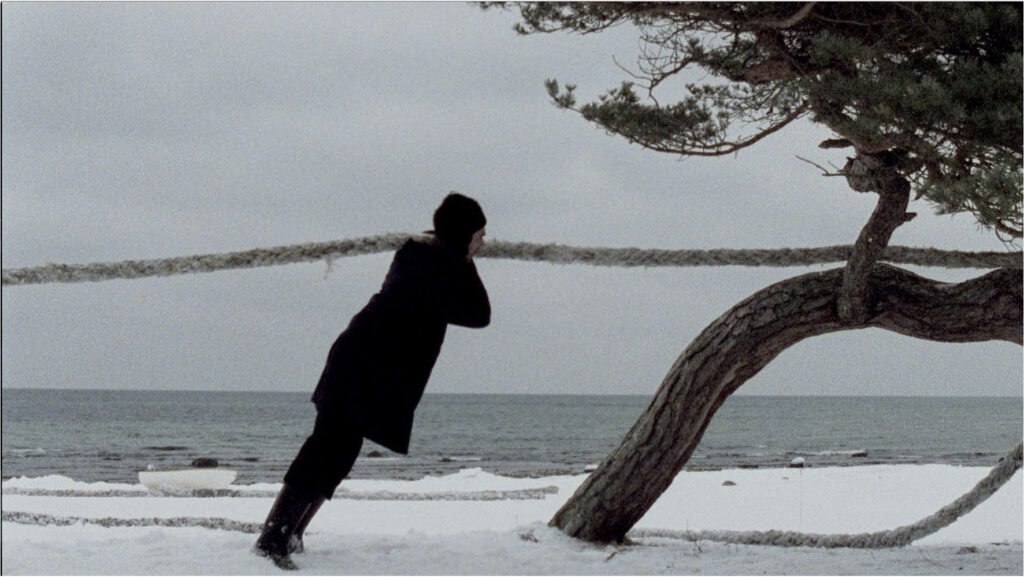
140	130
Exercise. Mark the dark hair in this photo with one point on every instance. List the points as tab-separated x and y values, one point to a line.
456	220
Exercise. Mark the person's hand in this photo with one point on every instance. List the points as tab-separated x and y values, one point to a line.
476	243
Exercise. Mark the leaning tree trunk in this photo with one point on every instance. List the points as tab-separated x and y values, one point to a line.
745	339
741	342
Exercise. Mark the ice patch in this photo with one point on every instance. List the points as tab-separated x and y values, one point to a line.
187	480
60	482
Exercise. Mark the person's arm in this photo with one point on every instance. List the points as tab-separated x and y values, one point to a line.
468	304
436	283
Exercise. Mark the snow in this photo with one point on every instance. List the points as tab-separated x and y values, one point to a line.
187	479
474	522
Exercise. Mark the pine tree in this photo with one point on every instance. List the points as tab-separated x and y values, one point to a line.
933	89
928	99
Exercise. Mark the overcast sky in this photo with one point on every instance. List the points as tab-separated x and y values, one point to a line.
147	130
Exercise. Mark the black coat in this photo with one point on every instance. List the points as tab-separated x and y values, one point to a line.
378	367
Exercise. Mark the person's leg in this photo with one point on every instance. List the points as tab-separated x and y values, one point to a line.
325	458
295	543
322	463
284	517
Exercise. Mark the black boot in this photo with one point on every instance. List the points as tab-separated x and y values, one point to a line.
282	521
295	542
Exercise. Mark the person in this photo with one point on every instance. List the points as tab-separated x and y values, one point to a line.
378	367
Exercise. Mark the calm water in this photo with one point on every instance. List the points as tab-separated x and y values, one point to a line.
111	435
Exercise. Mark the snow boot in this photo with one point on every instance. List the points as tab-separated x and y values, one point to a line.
295	541
281	523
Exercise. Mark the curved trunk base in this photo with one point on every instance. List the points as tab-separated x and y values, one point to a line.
743	341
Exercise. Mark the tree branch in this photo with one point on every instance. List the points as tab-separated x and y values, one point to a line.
793	20
720	148
867	173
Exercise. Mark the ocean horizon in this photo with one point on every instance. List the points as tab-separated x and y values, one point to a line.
111	434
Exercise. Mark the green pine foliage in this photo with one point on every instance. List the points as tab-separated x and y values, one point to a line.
936	87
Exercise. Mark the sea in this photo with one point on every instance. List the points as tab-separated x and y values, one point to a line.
109	436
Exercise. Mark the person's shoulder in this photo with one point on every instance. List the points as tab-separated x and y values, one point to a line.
422	242
426	248
421	254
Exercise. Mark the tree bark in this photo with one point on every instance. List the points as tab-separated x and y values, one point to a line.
867	173
746	338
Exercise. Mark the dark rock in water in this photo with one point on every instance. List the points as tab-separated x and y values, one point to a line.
859	454
747	466
375	454
205	463
797	463
728	484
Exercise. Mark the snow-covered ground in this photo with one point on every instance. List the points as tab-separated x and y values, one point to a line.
477	523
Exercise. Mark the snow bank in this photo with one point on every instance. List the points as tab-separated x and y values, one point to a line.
374	527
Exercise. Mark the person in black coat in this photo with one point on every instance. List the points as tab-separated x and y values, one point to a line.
378	367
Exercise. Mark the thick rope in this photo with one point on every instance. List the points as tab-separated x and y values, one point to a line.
64	521
899	537
537	494
553	253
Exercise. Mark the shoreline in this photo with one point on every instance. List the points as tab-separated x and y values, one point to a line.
412	469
